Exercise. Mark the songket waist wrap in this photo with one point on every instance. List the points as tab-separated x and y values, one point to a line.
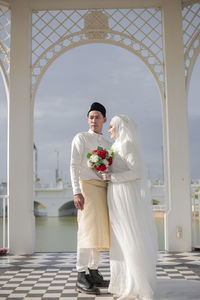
93	220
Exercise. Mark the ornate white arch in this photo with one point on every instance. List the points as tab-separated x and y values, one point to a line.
191	56
137	30
5	79
191	37
115	38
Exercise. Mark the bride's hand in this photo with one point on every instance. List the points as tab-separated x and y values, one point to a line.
106	176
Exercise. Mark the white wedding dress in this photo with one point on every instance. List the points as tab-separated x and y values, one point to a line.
133	252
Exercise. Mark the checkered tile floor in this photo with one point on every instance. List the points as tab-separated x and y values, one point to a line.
53	275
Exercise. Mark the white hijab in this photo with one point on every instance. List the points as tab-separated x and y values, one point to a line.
128	142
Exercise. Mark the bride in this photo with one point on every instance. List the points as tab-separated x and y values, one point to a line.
133	251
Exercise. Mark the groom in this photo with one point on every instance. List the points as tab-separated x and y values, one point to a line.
91	201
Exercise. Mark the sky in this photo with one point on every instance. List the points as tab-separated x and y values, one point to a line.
118	79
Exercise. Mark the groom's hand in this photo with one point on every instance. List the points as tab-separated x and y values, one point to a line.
79	201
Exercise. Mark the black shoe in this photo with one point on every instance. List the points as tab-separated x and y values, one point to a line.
97	278
85	285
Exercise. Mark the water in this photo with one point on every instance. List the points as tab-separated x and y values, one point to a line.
60	234
56	234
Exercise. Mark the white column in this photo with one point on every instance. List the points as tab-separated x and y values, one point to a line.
20	141
178	217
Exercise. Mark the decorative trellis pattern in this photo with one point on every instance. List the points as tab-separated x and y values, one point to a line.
191	35
5	21
139	30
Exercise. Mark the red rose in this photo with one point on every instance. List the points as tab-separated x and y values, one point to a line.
94	151
102	168
102	153
110	161
96	168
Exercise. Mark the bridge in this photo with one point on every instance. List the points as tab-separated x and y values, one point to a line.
54	201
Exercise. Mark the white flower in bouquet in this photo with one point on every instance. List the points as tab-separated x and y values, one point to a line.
94	158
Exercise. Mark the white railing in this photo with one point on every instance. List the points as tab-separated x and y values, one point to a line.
195	215
5	228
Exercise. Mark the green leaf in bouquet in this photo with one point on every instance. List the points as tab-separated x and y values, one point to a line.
88	155
99	148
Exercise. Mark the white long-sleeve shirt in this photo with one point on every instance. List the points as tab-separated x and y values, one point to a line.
82	144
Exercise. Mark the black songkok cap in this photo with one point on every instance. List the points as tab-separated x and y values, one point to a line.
99	107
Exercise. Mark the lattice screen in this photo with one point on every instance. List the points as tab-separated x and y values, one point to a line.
191	34
139	30
5	41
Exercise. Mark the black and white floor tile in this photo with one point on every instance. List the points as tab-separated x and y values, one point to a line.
53	275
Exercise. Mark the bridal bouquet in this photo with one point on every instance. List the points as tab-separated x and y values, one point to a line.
100	159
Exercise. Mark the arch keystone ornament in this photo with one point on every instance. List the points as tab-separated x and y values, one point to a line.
96	25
